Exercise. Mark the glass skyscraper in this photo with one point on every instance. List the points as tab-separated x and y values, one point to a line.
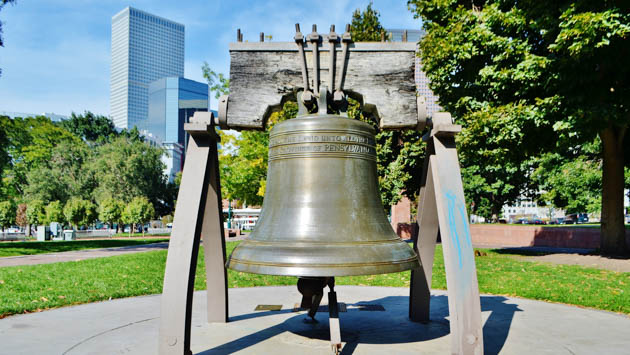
145	48
172	102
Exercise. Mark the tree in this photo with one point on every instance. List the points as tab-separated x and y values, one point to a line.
574	185
7	214
111	211
90	127
217	82
54	213
126	168
35	212
31	146
79	212
366	25
572	182
244	160
20	217
5	158
139	210
399	153
552	68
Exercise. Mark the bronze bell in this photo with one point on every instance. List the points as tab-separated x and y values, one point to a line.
322	215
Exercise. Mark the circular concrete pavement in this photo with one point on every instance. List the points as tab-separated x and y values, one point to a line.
374	322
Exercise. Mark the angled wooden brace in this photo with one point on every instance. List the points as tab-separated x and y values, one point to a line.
442	211
198	215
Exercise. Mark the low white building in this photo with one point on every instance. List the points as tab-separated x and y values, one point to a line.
529	209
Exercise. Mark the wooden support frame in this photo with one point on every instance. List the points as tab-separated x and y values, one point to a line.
197	216
442	211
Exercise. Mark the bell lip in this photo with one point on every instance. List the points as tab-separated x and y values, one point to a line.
308	270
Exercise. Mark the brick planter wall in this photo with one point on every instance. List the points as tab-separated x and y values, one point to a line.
524	236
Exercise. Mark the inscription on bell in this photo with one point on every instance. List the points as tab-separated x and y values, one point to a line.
348	148
323	138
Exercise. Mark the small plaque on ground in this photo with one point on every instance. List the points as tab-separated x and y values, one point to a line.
322	308
268	307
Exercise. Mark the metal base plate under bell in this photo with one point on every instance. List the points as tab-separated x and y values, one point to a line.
322	215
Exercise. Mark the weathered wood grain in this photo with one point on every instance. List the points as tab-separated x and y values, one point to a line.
264	75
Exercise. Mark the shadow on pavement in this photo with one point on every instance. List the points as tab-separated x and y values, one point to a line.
376	327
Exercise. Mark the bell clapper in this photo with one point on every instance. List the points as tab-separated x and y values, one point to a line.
333	316
312	290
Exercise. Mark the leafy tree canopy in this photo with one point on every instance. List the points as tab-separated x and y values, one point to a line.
30	145
35	212
54	213
546	71
111	210
366	25
90	127
79	212
217	81
244	160
7	214
126	168
138	211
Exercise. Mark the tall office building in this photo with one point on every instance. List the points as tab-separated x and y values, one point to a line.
145	48
172	102
422	82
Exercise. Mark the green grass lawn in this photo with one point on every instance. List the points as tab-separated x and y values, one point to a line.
31	248
32	288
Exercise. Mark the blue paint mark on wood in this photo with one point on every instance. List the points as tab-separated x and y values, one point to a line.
452	225
461	230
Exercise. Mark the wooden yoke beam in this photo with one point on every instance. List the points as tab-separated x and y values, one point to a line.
264	75
442	210
197	215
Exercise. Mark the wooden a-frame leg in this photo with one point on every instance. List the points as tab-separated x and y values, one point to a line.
459	259
424	245
442	210
198	194
212	234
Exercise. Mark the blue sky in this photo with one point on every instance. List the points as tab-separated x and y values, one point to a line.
56	54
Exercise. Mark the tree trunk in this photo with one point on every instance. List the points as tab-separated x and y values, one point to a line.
613	232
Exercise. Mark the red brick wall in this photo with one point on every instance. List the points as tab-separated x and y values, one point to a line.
401	212
497	235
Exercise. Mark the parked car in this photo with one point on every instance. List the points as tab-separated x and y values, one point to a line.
537	221
559	220
574	218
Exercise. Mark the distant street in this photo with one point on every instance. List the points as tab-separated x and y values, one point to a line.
79	255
